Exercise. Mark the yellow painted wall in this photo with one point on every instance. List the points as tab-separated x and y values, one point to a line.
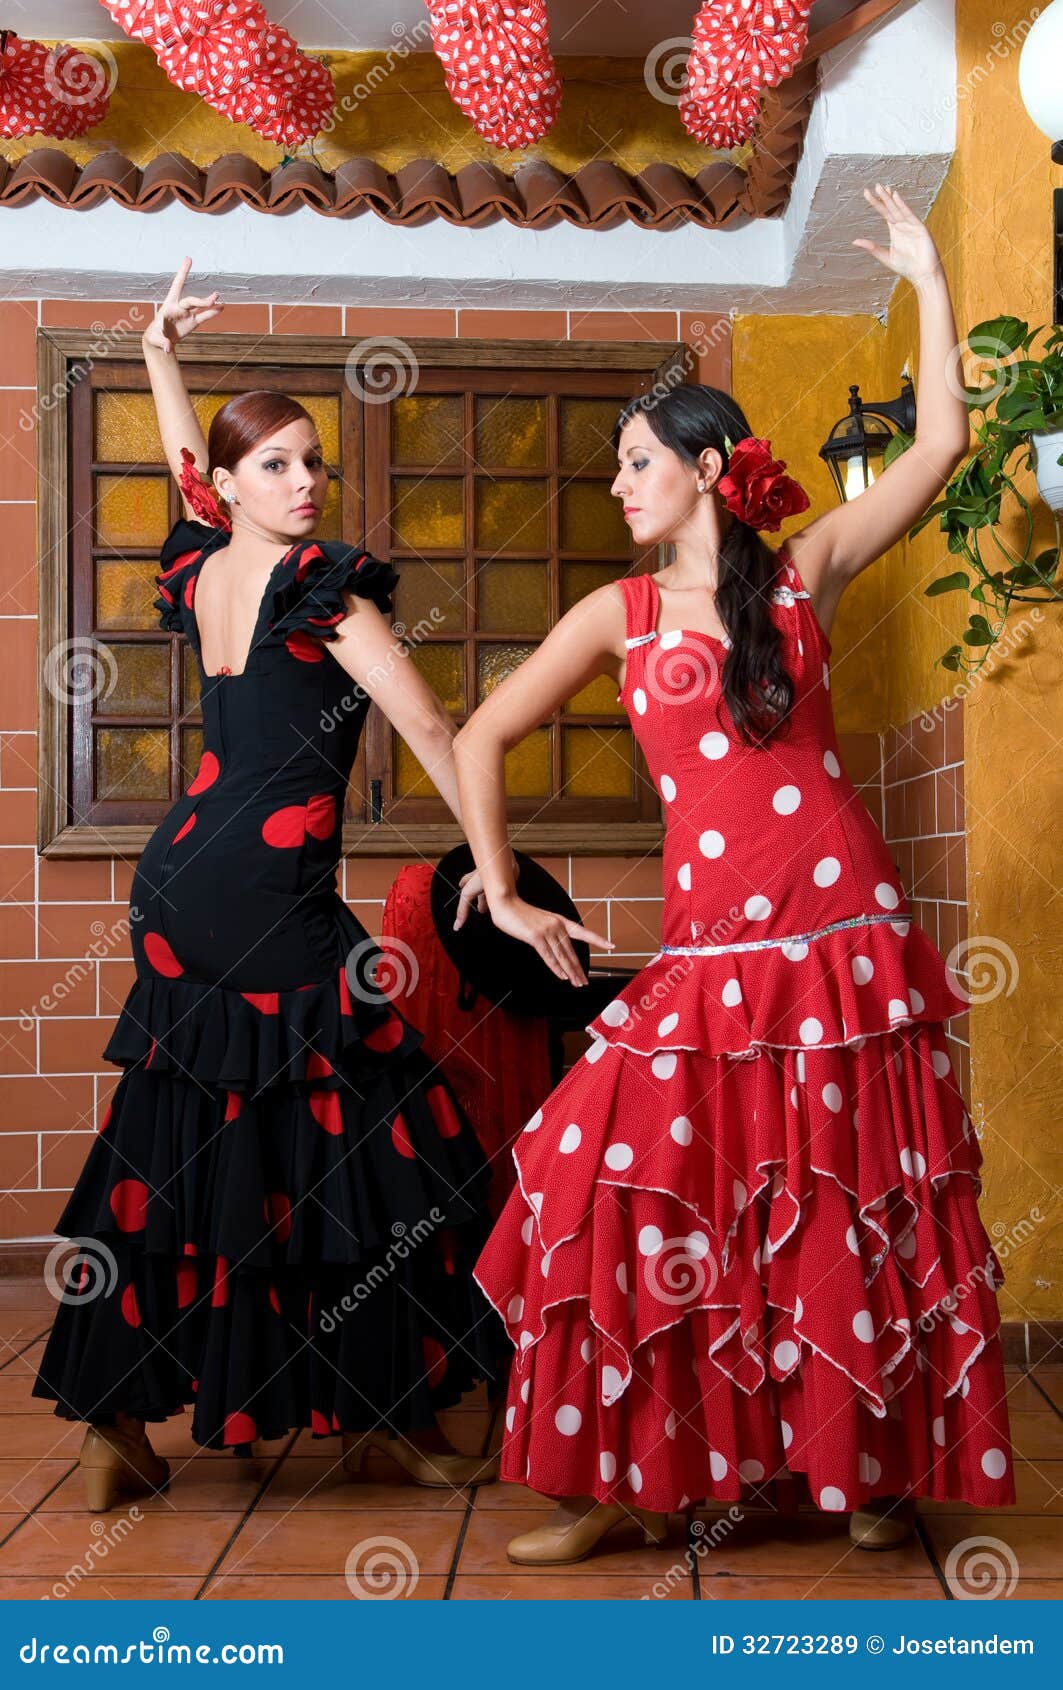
992	222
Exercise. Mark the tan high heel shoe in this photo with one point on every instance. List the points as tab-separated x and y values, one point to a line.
113	1460
571	1540
425	1467
882	1523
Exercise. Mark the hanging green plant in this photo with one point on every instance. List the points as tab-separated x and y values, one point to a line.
1018	422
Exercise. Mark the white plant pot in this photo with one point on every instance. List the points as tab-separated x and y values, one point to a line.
1048	448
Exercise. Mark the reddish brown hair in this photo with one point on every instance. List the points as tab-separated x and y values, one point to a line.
244	421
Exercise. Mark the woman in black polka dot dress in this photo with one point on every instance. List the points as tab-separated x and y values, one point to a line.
278	1219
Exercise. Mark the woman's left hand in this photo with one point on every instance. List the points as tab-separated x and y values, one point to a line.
472	896
911	252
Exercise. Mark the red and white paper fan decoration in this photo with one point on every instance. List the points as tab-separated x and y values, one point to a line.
57	91
739	47
237	60
499	69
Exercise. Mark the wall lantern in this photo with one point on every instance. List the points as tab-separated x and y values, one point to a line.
1041	89
854	449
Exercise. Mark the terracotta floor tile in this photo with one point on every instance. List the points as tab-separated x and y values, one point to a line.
547	1586
1051	1380
170	1544
810	1545
319	1588
1038	1489
24	1363
17	1329
320	1482
1038	1437
15	1386
622	1550
103	1588
319	1540
735	1588
33	1435
1023	1396
1034	1540
504	1495
23	1483
21	1296
199	1487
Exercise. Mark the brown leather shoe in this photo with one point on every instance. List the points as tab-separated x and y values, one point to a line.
884	1522
114	1460
425	1466
571	1540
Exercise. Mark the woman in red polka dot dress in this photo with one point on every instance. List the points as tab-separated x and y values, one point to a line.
279	1217
745	1243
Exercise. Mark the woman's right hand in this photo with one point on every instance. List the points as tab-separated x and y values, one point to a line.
549	934
179	313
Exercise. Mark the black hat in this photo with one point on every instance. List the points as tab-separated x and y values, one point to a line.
507	971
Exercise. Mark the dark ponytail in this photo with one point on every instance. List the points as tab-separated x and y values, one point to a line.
755	683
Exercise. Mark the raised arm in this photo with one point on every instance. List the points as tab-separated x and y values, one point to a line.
177	316
583	644
835	547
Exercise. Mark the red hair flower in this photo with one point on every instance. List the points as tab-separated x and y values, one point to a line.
755	490
201	494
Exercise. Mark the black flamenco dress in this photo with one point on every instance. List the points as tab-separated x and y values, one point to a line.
279	1217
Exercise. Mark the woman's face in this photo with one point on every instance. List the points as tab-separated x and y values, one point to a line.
659	490
281	482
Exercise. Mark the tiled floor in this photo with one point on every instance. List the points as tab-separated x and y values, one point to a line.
289	1523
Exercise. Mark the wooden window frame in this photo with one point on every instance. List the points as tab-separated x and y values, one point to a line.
63	353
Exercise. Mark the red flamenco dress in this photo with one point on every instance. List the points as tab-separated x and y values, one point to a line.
745	1243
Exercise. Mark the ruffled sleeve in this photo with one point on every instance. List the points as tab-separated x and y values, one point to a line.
310	600
183	545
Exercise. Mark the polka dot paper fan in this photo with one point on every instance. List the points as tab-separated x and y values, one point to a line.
58	91
738	48
498	65
234	57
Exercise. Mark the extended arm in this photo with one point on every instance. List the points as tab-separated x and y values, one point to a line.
833	549
177	316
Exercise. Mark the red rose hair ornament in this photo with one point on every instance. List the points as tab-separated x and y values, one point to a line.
755	488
